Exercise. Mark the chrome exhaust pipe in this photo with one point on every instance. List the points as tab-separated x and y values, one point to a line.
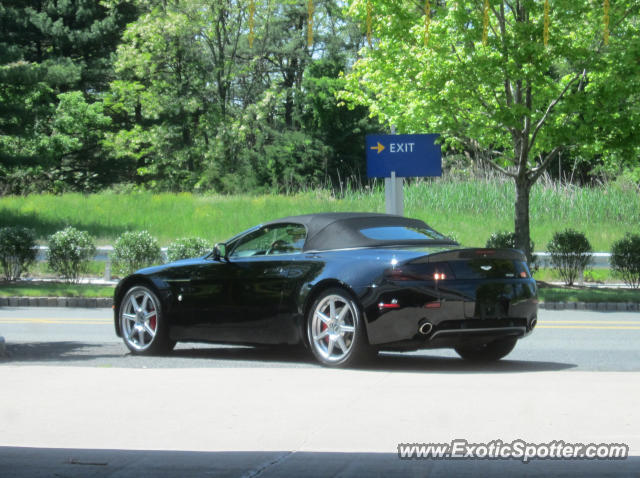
426	328
534	322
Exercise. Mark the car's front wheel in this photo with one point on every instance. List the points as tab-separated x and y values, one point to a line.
142	323
335	330
488	352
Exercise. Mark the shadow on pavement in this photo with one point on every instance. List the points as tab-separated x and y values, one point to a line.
434	364
54	352
384	362
23	462
204	355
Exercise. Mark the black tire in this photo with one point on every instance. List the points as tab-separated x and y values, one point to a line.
488	352
143	326
337	340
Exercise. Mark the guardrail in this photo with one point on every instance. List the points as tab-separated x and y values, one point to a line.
103	254
600	260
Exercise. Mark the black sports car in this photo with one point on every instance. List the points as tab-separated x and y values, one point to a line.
344	284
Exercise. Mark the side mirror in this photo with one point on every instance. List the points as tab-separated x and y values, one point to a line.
220	252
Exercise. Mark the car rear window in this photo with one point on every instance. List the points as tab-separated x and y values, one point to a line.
401	233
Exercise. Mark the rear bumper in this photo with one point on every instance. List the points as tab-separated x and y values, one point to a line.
455	317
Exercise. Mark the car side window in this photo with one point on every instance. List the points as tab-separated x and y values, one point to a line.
271	240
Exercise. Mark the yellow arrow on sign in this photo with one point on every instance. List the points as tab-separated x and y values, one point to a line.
380	147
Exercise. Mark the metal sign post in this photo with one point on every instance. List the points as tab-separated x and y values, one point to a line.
394	191
394	195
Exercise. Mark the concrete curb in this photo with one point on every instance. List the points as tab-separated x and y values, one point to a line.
106	302
87	302
598	306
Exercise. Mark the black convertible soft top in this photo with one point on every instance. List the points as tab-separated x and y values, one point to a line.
341	230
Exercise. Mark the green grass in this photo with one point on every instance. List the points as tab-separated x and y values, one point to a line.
469	210
547	294
54	289
585	294
590	275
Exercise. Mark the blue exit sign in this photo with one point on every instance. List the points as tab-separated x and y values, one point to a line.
409	155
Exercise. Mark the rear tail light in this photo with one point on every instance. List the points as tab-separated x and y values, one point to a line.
485	252
389	305
432	305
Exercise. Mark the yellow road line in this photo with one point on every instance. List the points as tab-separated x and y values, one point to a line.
51	321
604	322
583	327
66	319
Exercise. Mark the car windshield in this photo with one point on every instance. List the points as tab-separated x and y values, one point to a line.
402	233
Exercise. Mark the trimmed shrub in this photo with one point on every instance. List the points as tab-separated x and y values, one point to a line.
135	250
625	259
187	248
570	254
70	251
17	251
507	240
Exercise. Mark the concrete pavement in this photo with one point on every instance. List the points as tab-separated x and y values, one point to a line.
309	409
268	416
47	462
262	413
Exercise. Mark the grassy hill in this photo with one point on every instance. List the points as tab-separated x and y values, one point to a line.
469	210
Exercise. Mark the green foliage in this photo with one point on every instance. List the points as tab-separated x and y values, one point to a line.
507	240
625	259
50	49
55	289
195	107
135	250
78	128
168	95
452	207
187	248
70	251
570	254
159	98
587	294
17	251
511	101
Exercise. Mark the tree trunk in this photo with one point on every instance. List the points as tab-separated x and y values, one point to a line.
523	189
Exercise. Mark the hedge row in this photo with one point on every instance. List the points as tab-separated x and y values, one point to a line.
71	250
571	253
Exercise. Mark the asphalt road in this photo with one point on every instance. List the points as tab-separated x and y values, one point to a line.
563	340
74	402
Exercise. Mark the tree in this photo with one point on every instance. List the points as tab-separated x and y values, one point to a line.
50	48
488	83
196	106
160	98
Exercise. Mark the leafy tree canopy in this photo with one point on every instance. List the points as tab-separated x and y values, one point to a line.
484	78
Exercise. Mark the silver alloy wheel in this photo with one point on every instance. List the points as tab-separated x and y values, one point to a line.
333	328
139	318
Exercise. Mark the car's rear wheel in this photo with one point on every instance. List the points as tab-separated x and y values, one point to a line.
488	352
142	323
335	330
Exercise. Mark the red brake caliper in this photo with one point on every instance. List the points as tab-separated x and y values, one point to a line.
324	327
152	322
